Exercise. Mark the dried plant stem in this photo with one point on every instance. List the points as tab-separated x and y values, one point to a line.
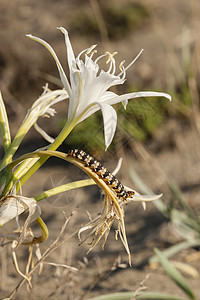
51	249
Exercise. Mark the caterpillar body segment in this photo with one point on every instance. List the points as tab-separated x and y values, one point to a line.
87	161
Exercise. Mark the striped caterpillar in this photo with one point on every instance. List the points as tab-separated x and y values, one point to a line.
103	173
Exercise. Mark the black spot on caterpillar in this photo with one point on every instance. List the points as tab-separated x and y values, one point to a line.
103	173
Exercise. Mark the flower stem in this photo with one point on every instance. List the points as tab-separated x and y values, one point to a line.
58	141
64	188
44	229
14	145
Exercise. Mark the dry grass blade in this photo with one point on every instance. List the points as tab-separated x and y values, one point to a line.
60	265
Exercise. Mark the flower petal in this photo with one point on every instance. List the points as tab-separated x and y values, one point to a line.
146	198
63	76
128	96
110	122
70	52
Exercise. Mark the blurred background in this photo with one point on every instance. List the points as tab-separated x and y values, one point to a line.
158	140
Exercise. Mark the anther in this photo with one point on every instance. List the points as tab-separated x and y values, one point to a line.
90	50
121	66
110	56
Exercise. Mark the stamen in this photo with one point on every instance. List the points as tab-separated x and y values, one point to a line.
123	71
110	67
131	63
89	50
98	58
79	55
111	60
121	66
92	53
110	56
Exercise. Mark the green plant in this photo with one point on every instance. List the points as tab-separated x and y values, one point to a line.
87	92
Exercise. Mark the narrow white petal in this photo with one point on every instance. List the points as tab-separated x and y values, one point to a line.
90	110
70	55
118	167
60	68
145	198
109	119
70	52
128	96
107	95
110	122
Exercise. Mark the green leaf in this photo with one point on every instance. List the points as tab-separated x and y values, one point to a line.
191	219
64	188
157	296
175	275
175	249
4	125
114	296
130	295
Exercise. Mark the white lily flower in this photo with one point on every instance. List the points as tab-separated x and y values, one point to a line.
88	86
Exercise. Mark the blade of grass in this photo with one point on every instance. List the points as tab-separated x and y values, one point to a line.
174	274
146	190
186	268
157	296
4	126
175	249
193	221
130	295
114	296
186	224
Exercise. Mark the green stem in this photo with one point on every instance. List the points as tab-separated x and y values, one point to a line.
44	230
15	144
4	126
58	141
64	188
